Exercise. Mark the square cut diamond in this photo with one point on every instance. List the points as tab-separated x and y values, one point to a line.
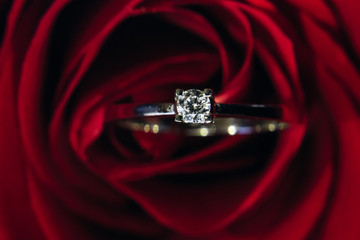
193	106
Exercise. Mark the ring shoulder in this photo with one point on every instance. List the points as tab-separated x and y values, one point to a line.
249	110
154	109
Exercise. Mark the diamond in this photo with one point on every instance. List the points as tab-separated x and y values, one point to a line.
193	106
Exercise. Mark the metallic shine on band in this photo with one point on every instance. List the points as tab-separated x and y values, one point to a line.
196	114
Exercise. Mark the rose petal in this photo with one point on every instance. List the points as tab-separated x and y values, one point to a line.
214	204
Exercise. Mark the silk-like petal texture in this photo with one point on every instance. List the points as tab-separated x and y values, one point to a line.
68	171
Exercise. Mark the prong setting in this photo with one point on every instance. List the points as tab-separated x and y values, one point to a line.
208	119
208	92
194	106
178	118
179	92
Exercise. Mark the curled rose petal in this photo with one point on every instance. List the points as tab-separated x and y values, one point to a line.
69	171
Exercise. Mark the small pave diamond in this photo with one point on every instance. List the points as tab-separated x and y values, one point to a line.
193	106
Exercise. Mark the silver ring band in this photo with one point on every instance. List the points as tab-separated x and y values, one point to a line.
196	116
132	110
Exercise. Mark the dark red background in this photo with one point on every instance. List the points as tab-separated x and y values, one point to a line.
67	174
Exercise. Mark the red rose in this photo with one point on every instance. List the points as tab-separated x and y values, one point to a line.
67	174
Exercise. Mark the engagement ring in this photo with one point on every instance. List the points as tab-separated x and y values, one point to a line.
197	114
